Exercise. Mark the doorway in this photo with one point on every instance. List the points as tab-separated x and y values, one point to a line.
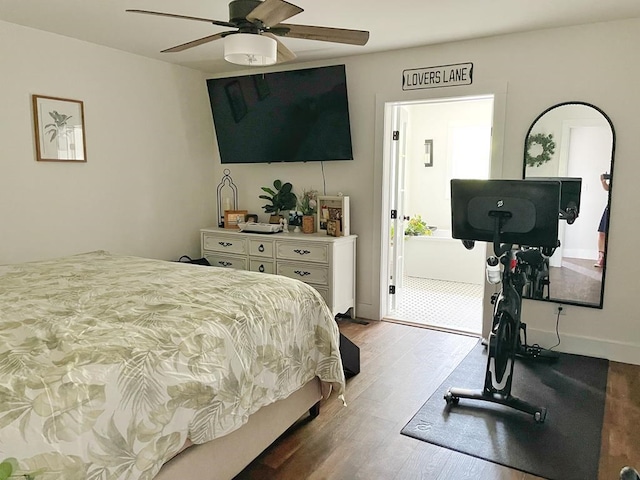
433	281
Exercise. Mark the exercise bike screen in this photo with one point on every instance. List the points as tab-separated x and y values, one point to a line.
527	211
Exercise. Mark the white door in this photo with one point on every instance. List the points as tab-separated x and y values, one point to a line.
400	118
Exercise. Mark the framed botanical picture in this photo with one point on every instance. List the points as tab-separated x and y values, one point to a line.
333	208
233	217
59	129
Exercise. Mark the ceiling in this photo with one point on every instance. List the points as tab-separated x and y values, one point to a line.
393	24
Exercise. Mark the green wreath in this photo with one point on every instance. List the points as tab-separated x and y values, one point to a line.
548	149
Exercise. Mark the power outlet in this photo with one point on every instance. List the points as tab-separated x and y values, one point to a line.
560	309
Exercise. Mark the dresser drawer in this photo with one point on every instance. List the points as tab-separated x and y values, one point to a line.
263	266
222	243
307	273
226	261
307	252
261	248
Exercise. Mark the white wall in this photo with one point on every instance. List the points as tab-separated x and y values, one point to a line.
150	180
529	72
148	184
428	191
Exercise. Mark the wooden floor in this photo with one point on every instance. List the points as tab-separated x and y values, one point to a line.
400	367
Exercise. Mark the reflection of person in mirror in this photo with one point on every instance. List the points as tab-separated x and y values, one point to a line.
604	223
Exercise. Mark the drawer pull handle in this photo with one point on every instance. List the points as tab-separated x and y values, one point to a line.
302	273
302	252
225	244
261	248
224	264
261	269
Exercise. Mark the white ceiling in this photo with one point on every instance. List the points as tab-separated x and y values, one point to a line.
393	24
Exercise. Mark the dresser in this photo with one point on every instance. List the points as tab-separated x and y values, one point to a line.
326	263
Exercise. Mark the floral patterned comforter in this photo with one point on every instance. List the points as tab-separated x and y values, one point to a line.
108	364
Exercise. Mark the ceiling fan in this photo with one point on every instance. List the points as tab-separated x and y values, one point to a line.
258	24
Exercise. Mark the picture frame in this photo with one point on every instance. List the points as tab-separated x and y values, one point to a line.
251	217
333	208
428	153
333	228
233	217
235	97
59	129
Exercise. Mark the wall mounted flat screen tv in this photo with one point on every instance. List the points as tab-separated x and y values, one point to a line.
292	116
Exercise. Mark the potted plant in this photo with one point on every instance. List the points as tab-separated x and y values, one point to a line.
281	198
308	206
417	226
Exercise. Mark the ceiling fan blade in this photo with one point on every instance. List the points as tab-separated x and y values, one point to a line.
284	54
195	43
185	17
323	34
272	12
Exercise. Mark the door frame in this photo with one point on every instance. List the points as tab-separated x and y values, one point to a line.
381	177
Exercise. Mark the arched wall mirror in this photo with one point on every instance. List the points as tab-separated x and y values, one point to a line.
575	139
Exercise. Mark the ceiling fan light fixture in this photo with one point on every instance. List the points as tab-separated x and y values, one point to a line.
250	49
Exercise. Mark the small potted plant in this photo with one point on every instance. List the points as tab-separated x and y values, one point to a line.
281	198
417	227
308	206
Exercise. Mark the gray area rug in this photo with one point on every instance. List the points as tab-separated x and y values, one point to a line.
565	447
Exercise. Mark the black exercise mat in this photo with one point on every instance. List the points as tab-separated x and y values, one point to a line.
565	447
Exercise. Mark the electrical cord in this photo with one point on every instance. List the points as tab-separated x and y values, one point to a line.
557	332
324	180
535	349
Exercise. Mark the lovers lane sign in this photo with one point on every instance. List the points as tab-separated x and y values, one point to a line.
440	76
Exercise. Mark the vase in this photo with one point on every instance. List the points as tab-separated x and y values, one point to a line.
308	224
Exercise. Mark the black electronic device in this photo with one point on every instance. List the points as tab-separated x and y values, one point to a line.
526	211
291	116
570	192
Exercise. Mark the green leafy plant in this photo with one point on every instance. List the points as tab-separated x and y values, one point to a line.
280	196
416	227
309	202
59	126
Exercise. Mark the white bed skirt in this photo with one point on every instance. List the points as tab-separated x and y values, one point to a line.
225	457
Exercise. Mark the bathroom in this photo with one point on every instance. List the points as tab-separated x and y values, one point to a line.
442	283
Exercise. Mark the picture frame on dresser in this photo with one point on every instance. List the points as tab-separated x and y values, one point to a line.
333	208
333	228
233	217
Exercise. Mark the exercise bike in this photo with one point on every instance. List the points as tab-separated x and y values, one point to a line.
534	263
504	342
511	213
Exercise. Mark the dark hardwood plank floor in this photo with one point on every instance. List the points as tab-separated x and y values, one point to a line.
400	367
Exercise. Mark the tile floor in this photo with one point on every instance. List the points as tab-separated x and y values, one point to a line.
441	304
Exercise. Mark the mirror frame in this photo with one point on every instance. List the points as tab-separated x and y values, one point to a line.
609	197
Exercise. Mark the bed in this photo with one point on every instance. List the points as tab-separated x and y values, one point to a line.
112	366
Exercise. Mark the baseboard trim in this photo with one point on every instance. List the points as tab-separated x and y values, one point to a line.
623	352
